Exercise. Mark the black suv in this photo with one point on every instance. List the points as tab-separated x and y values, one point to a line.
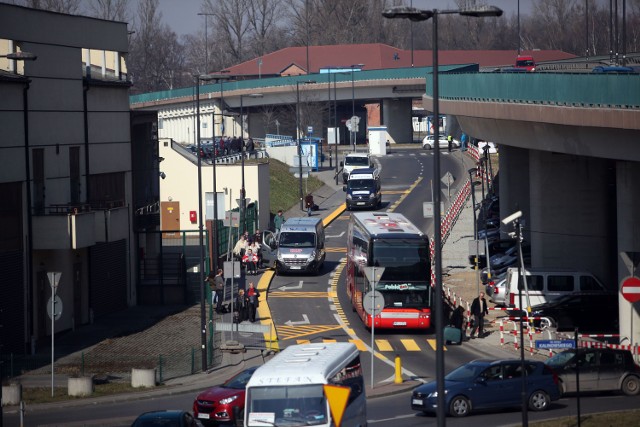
587	311
600	369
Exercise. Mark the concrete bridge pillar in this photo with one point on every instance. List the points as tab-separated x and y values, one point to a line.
628	231
571	213
396	116
513	186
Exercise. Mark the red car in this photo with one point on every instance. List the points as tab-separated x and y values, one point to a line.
216	404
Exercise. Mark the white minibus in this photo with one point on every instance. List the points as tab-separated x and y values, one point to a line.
289	389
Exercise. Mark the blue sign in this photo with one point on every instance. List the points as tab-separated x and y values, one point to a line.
555	344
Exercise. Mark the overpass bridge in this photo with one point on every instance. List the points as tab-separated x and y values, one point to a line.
569	147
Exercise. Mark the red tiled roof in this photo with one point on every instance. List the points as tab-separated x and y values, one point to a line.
376	56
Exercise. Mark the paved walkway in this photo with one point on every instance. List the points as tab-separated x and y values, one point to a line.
138	328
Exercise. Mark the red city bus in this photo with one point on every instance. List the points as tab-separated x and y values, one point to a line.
391	241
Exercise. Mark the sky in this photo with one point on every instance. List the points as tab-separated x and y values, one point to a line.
182	15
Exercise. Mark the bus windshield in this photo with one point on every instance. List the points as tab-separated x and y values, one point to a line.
297	240
403	259
298	405
361	184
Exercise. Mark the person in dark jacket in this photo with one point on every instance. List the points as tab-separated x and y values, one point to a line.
252	296
457	319
479	309
241	306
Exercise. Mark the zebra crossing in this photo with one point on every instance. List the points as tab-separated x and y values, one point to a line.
296	335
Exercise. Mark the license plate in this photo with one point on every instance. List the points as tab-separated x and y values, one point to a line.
203	416
416	402
399	323
360	203
296	267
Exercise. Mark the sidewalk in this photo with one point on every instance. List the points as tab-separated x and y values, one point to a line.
153	325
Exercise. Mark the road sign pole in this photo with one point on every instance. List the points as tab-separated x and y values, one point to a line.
54	279
373	329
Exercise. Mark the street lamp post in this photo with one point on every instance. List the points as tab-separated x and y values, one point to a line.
353	102
206	41
214	228
203	329
243	195
423	15
298	138
472	183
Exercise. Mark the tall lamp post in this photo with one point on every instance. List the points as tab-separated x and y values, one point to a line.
206	41
23	56
353	100
414	14
472	183
214	241
243	195
203	320
298	138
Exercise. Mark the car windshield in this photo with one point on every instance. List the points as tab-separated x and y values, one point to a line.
297	240
361	184
356	161
466	372
239	382
560	359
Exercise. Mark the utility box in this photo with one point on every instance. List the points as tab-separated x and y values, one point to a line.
378	138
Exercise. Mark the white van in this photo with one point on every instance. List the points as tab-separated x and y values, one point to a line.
548	284
354	161
299	247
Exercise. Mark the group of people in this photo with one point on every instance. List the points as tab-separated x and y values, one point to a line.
245	304
248	250
479	309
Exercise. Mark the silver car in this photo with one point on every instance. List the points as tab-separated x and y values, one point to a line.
498	292
428	144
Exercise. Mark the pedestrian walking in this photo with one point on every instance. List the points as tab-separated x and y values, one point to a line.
463	142
253	297
479	309
219	289
278	221
308	203
450	142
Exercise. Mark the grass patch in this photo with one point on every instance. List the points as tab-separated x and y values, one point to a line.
284	187
618	419
60	394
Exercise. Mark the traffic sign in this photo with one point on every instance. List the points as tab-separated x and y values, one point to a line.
54	279
57	306
373	303
337	396
555	344
631	289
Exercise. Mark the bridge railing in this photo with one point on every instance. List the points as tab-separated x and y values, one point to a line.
595	90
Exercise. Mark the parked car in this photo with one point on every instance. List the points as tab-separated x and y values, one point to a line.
600	369
490	384
215	404
587	311
495	247
166	418
497	291
428	144
492	147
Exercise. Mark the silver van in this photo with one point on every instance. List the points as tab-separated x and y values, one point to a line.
299	247
545	285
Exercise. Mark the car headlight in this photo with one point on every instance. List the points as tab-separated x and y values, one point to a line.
349	197
280	257
435	394
228	400
372	195
312	255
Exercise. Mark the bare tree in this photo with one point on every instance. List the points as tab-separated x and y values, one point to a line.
114	10
264	19
156	56
62	6
231	27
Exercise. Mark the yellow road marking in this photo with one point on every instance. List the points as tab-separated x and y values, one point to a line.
432	344
383	345
293	332
361	346
285	294
410	345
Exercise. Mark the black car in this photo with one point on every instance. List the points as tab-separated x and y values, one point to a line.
587	311
175	418
600	369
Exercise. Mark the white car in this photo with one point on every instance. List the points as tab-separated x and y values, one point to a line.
427	142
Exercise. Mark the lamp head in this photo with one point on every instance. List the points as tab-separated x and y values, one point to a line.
481	11
406	12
